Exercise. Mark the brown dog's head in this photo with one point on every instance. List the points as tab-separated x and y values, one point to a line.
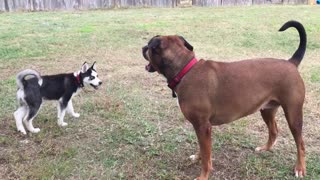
163	51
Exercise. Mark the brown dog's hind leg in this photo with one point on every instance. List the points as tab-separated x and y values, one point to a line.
268	115
203	132
294	118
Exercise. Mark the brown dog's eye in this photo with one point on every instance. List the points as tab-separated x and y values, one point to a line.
156	51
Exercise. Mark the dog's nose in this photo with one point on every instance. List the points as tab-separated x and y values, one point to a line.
100	83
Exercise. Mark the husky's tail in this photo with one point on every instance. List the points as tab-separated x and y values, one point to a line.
21	75
298	55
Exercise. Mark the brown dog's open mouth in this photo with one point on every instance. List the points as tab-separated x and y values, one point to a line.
150	68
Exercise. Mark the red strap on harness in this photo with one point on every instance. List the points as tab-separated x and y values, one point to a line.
78	79
175	81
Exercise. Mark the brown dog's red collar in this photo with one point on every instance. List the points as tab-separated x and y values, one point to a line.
175	81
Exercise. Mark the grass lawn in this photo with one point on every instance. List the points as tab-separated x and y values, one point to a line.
132	128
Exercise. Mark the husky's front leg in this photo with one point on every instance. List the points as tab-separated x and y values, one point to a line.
70	110
59	109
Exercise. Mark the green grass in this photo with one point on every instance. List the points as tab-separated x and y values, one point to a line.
315	75
132	128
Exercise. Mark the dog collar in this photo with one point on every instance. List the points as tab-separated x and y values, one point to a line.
175	81
78	79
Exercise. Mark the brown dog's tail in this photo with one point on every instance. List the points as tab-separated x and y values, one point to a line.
298	55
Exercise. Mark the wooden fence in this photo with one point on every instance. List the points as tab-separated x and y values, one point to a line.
46	5
244	2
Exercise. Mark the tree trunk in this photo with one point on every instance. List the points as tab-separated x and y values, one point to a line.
34	5
174	3
14	5
6	5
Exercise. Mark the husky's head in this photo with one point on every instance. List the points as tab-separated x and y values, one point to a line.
89	76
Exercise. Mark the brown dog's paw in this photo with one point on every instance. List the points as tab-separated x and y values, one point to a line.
266	147
300	171
261	148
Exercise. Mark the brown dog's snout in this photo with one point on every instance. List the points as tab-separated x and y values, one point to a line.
148	67
144	51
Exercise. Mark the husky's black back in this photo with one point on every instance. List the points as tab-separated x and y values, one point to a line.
55	86
52	88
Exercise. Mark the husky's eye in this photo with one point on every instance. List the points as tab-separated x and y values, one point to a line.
91	77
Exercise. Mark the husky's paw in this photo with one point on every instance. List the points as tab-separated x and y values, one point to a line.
76	115
63	124
22	131
35	130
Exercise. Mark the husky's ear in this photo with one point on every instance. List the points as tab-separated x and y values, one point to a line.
94	66
84	67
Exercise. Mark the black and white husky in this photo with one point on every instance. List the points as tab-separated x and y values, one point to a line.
61	87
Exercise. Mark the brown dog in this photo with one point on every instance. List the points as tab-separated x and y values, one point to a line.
214	93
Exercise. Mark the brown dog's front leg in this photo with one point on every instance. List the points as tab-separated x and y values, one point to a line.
204	138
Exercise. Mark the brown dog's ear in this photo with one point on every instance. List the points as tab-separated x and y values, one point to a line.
186	44
154	43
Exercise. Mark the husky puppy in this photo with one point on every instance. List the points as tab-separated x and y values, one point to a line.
62	87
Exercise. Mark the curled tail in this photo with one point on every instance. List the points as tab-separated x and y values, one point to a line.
21	75
298	55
